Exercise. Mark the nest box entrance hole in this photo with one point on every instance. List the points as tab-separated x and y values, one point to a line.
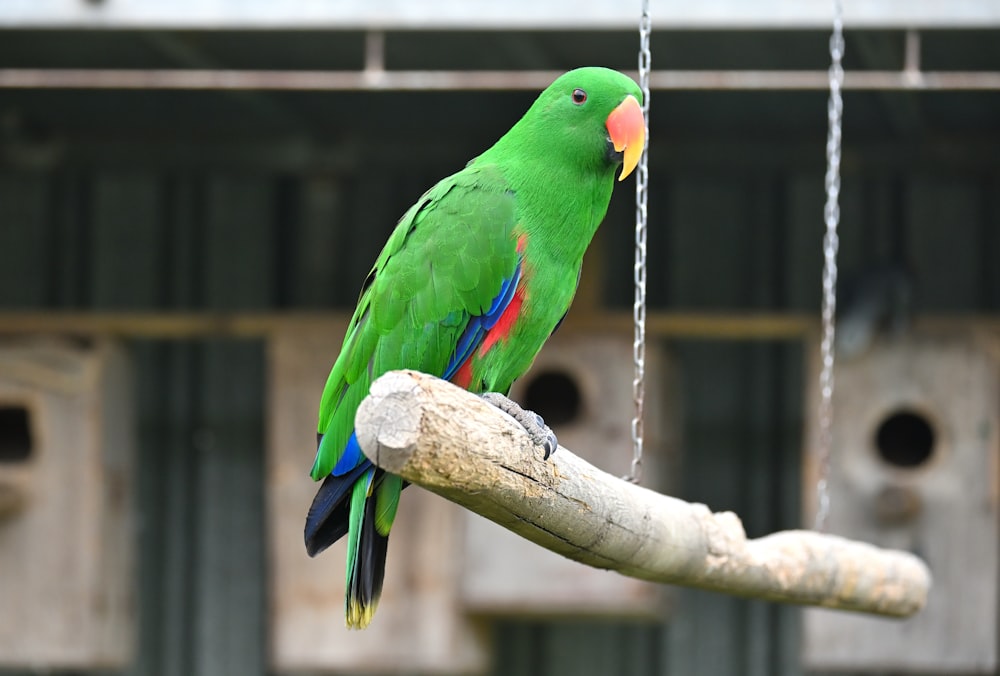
556	396
15	433
905	439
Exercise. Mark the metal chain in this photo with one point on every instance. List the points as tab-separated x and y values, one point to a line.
831	242
639	270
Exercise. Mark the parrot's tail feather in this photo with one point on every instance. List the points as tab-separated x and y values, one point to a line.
365	584
328	515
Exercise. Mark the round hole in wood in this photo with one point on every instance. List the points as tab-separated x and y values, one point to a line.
556	396
15	433
905	439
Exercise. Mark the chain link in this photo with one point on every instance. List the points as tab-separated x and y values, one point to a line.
639	270
831	242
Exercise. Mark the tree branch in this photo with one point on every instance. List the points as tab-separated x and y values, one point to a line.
449	441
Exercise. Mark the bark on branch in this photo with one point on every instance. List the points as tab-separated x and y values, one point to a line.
450	442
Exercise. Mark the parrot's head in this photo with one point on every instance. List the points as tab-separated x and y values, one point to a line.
591	117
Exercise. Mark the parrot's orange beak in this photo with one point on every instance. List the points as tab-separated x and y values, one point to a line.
627	129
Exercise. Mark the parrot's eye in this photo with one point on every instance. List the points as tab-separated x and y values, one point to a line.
579	97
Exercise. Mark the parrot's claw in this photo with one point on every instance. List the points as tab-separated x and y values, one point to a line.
540	433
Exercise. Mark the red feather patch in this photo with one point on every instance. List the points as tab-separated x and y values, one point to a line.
500	330
504	324
463	376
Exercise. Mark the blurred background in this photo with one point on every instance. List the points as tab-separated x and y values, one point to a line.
192	193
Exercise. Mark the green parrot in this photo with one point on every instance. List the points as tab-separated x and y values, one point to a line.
474	278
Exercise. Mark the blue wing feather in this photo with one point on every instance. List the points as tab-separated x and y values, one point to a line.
470	339
351	457
503	299
475	330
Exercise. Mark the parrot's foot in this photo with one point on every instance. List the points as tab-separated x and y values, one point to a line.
540	433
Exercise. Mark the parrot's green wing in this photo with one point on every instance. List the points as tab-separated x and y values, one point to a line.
446	261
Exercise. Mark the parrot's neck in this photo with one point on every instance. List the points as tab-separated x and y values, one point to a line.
566	207
559	205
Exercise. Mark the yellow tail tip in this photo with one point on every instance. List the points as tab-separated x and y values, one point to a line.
359	616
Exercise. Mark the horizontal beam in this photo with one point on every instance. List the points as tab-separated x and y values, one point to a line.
196	325
258	325
450	442
510	14
388	80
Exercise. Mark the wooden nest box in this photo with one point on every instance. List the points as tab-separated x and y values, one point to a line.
66	536
914	466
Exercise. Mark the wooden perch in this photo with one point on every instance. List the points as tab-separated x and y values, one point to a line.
449	441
